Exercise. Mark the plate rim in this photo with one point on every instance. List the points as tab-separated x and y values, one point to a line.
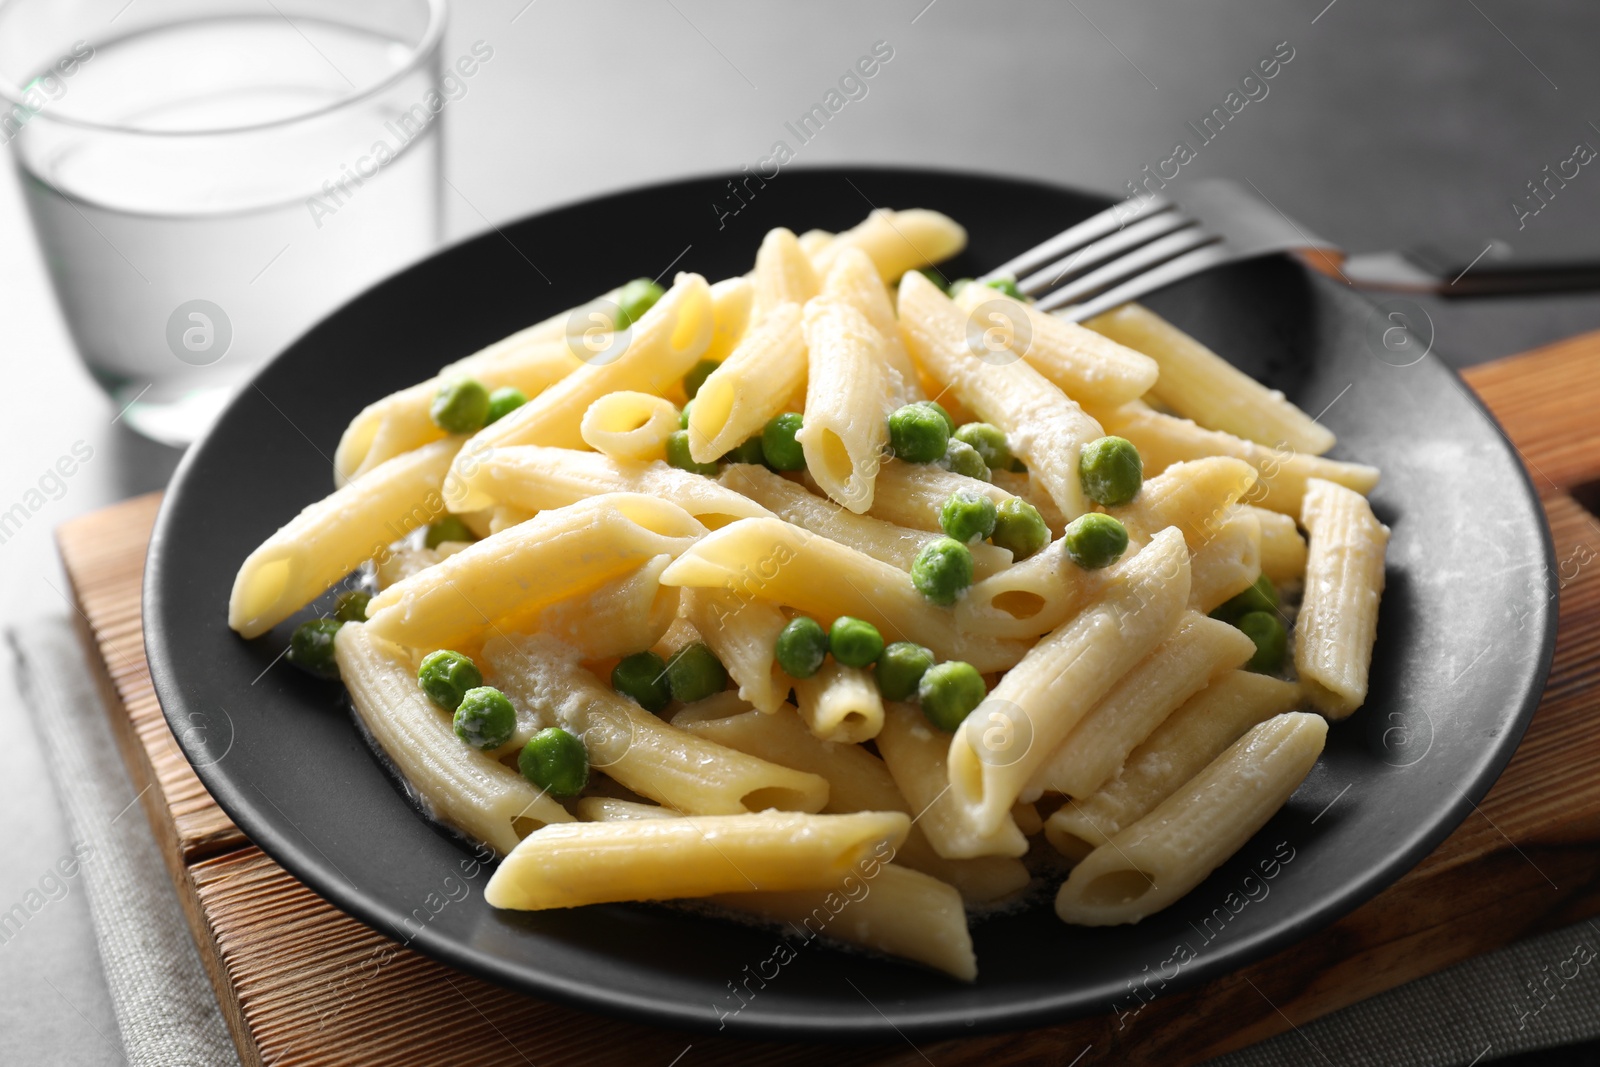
752	1022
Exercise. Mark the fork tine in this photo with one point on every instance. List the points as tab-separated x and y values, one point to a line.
1141	259
1064	243
1107	248
1174	270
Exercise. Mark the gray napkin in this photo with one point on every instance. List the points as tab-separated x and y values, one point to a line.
164	1004
1541	992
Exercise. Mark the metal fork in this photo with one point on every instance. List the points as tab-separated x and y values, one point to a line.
1137	246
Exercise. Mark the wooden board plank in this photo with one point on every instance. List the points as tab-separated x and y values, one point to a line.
303	983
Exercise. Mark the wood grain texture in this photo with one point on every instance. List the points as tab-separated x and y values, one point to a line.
302	983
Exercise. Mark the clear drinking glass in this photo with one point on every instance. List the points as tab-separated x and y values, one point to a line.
208	178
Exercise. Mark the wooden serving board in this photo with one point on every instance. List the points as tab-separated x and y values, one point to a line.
302	983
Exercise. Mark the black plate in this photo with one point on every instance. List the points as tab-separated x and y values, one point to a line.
1465	638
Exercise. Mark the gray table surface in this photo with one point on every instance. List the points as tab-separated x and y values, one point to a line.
1393	124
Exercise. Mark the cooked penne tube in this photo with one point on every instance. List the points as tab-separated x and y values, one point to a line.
783	273
886	908
1228	563
881	540
1039	702
1158	859
504	580
695	856
782	564
854	280
731	301
654	759
610	809
629	426
751	386
1283	550
846	440
468	789
1046	428
1338	621
1088	367
1197	651
1026	599
1193	496
897	241
840	703
1198	384
743	632
536	478
310	553
1178	749
1163	440
616	618
531	360
917	757
857	781
653	355
912	494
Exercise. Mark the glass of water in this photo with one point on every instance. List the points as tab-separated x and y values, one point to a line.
208	179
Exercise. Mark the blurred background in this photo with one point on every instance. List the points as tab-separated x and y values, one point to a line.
1391	126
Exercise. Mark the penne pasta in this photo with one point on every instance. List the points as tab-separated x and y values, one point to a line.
847	389
1091	369
1338	621
1198	384
782	564
1194	496
783	273
1046	428
1196	652
696	856
750	387
1228	563
1158	859
468	789
617	617
310	554
732	301
897	241
840	703
627	426
1283	550
912	494
492	586
1178	749
854	280
742	631
1006	739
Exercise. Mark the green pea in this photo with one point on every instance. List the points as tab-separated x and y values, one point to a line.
1110	470
1019	527
503	401
990	443
962	458
967	516
1266	630
697	377
1094	540
941	570
1261	596
485	719
311	647
696	673
678	455
683	416
949	692
949	423
918	434
802	646
900	668
446	676
637	297
352	606
1008	286
555	761
935	277
460	406
778	446
749	452
854	642
960	284
449	528
642	677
